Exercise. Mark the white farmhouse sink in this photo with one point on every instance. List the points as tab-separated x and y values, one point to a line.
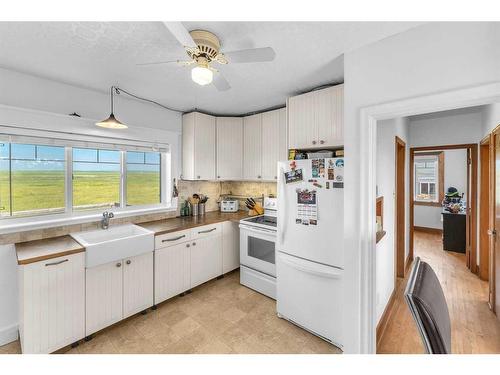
115	243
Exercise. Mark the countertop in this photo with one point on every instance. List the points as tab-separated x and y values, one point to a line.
34	251
49	248
187	222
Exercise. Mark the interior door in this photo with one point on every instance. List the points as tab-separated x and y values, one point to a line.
495	251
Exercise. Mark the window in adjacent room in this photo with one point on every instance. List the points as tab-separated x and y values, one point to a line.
428	178
143	176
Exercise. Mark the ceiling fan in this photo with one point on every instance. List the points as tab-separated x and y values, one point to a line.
203	48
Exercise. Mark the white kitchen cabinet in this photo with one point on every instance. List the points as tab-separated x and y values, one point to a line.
104	296
52	303
230	246
172	270
252	147
273	142
206	258
117	290
198	146
316	119
137	284
229	148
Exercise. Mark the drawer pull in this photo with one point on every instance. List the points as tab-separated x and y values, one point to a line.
56	263
206	231
174	238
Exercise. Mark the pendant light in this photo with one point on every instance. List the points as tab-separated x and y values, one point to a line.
111	122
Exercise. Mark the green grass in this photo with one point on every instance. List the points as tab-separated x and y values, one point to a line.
41	190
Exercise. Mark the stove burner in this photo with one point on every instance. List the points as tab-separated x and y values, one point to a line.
265	220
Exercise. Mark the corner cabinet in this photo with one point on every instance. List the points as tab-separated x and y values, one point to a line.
198	146
229	148
52	303
316	119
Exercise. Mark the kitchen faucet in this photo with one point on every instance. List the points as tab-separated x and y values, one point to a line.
105	219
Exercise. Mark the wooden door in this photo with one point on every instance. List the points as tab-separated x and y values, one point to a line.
400	203
206	259
204	147
270	144
484	211
172	271
104	296
252	147
329	104
302	130
52	303
229	148
137	284
495	250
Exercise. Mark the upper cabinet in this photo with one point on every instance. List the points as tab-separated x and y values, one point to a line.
229	148
274	146
316	119
198	146
252	147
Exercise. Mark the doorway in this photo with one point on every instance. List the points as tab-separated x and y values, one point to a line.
484	209
400	222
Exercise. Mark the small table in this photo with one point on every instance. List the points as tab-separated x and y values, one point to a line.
454	231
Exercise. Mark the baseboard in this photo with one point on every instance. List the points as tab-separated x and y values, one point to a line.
384	319
428	230
9	334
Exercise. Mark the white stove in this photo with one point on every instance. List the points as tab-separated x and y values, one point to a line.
257	250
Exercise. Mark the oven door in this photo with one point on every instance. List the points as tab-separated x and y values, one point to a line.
257	249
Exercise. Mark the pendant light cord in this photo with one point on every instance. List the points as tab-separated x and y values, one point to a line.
119	90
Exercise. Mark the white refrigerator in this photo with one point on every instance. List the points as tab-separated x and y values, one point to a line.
310	245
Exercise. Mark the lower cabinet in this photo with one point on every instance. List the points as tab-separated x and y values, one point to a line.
117	290
172	271
230	246
206	259
52	303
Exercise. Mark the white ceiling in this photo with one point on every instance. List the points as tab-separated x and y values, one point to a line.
97	55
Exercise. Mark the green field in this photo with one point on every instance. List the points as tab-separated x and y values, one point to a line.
44	190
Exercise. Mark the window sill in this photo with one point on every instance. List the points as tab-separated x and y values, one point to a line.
43	222
433	204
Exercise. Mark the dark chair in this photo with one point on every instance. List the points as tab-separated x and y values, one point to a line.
427	303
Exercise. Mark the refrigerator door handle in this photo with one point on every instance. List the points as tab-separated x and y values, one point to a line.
311	267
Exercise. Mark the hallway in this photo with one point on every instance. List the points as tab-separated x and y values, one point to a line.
475	329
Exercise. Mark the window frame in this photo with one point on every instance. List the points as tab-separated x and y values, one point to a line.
440	179
69	216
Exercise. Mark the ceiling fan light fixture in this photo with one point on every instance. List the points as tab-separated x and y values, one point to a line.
202	75
111	123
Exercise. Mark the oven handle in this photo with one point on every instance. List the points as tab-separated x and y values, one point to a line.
255	229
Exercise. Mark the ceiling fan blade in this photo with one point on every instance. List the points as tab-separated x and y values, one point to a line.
180	33
158	63
250	55
220	82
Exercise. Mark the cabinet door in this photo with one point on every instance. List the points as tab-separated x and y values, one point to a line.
252	147
137	284
206	259
230	246
270	144
188	128
204	147
52	303
172	271
302	127
104	296
330	116
229	148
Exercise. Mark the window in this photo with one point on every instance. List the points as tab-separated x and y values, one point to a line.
32	179
428	177
143	178
96	179
38	179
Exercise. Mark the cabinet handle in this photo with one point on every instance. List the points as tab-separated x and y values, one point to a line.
118	265
322	142
259	177
275	177
207	231
194	243
314	142
198	177
56	263
128	261
187	245
174	238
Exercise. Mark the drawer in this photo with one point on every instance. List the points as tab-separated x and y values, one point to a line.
171	239
206	230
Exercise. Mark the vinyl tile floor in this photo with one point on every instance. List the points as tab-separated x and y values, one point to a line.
218	317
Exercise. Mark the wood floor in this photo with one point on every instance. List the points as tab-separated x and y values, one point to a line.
220	316
475	329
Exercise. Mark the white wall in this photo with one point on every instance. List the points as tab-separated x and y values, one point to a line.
386	133
428	59
455	174
23	96
491	118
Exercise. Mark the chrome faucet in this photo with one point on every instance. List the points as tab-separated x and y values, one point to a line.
105	219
